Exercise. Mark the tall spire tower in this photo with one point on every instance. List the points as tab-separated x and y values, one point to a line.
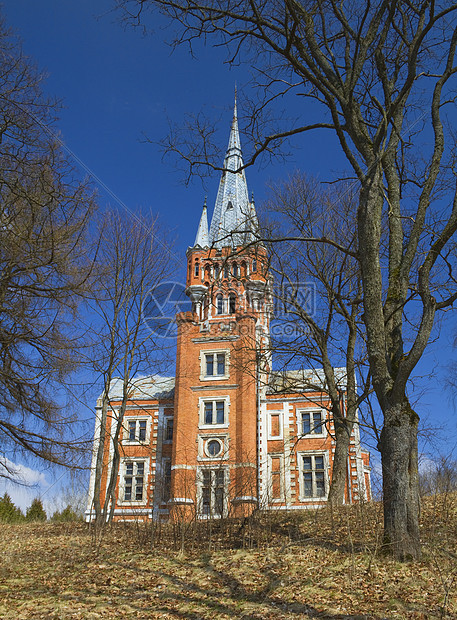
214	461
234	220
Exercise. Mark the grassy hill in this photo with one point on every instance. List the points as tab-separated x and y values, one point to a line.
294	565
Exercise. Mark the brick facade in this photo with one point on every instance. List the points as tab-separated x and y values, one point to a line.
222	438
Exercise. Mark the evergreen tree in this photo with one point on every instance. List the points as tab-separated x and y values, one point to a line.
67	515
9	513
36	512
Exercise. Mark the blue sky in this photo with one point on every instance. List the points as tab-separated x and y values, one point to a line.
116	85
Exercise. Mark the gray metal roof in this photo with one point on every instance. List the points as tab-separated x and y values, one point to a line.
150	387
304	380
234	218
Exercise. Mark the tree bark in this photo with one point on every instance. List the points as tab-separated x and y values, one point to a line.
399	455
99	517
339	475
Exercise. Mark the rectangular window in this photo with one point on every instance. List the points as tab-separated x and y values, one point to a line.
166	486
312	423
214	365
314	482
134	481
142	430
274	425
168	429
137	430
275	477
214	412
212	492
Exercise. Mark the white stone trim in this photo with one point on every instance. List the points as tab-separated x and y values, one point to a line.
201	411
214	352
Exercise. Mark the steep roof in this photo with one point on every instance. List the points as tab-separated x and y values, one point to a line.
234	218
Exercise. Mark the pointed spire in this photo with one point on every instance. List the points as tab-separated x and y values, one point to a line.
234	216
202	238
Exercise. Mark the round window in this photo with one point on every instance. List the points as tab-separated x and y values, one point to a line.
213	447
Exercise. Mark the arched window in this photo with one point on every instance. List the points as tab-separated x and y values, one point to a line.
226	271
232	303
197	268
207	272
234	270
216	271
254	266
244	272
219	304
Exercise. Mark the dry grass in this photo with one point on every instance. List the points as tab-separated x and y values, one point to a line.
295	565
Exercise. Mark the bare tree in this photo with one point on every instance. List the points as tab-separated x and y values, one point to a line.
319	288
44	266
382	77
132	262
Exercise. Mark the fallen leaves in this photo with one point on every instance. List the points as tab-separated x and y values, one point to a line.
47	571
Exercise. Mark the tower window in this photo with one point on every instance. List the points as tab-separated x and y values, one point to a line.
196	268
215	364
232	303
229	205
215	412
212	492
213	448
254	266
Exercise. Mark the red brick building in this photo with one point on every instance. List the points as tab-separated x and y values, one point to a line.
227	435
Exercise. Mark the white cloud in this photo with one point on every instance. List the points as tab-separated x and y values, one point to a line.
30	483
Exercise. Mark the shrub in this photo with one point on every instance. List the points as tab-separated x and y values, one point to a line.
67	514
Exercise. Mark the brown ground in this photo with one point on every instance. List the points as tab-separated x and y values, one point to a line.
289	566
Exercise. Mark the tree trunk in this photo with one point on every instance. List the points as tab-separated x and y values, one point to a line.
99	461
401	482
339	469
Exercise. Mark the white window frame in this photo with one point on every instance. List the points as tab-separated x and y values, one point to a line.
310	411
214	352
213	471
126	430
202	452
270	432
301	483
122	476
213	399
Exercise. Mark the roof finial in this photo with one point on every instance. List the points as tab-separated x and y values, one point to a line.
202	233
